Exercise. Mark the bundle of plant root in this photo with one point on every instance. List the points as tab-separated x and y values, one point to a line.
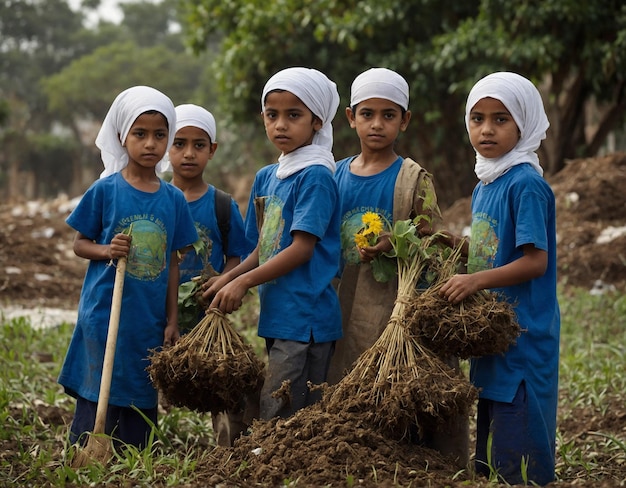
482	324
398	385
398	381
210	369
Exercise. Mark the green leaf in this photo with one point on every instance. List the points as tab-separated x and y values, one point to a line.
384	268
189	310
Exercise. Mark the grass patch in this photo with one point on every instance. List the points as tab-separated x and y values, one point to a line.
35	412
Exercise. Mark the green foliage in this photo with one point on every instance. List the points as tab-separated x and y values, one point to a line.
189	309
44	154
575	50
89	85
57	73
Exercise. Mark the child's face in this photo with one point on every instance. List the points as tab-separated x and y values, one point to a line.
378	122
289	123
492	130
146	141
191	151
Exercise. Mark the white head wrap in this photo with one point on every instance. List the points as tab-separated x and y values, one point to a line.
523	100
125	109
380	83
320	96
190	115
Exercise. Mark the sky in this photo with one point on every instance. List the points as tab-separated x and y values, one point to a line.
109	10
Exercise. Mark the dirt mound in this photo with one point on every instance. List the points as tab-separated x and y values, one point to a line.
38	267
591	222
321	449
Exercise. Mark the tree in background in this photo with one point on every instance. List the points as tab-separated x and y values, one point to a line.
36	38
575	50
81	94
58	79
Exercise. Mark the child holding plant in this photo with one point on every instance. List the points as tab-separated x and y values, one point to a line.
194	146
512	251
135	135
378	186
297	254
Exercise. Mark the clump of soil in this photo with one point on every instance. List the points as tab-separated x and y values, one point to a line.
397	385
481	325
591	221
38	267
209	369
317	448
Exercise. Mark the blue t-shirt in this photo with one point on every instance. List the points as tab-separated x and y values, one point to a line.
361	194
303	303
519	208
161	223
204	216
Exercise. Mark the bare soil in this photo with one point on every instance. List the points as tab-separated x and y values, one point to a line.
318	448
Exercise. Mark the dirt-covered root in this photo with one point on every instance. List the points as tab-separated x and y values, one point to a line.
480	325
397	385
413	399
210	369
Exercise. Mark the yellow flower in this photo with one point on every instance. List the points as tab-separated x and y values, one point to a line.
360	240
369	217
369	233
375	227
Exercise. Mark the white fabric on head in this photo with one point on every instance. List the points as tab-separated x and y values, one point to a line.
380	83
523	101
190	115
125	109
320	96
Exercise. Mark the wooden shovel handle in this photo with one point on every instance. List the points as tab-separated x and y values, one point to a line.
109	351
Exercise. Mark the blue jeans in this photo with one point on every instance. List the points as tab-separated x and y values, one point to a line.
124	424
517	432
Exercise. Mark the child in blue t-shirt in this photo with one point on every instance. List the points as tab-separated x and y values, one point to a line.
135	135
297	252
512	250
195	144
380	181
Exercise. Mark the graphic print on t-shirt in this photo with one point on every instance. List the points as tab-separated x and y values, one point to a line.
146	260
272	230
193	263
483	243
351	223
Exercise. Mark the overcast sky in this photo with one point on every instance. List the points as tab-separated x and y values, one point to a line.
108	10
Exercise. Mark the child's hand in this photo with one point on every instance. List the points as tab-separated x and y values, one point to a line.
230	297
368	253
459	287
211	286
120	246
171	334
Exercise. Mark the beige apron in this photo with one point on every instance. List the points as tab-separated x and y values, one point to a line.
366	304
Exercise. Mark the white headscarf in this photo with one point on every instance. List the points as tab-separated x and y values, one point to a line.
523	100
380	83
190	115
125	109
320	96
